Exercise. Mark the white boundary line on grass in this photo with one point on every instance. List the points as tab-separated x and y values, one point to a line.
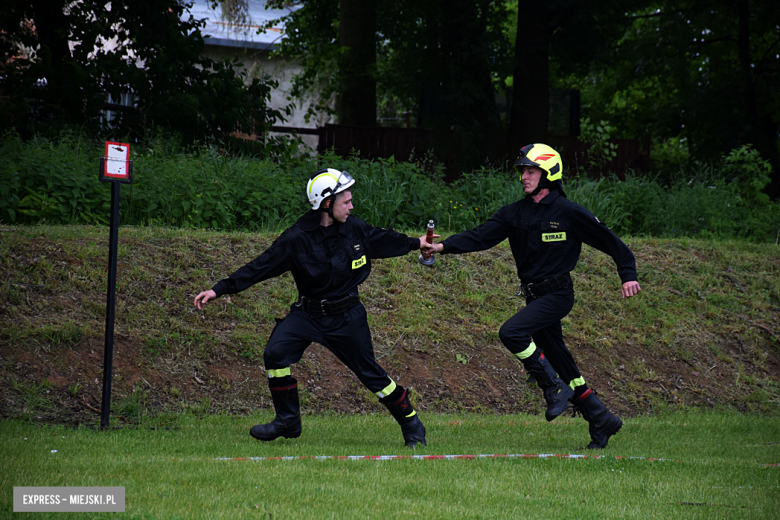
446	457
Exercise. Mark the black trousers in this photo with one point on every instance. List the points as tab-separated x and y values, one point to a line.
540	319
346	335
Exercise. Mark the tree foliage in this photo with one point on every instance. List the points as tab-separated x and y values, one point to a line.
702	75
443	60
701	72
62	60
705	72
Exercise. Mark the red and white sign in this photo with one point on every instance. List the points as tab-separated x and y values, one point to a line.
117	161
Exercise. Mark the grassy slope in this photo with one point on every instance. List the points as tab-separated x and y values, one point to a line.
702	332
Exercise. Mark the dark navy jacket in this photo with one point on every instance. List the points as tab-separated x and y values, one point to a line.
325	265
546	238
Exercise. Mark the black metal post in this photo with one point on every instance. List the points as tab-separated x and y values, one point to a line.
108	356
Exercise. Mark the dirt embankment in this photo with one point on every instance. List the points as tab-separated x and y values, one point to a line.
168	358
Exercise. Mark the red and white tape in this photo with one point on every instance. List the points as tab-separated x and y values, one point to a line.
447	457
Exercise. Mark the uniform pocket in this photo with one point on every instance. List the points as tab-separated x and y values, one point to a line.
554	232
357	257
314	268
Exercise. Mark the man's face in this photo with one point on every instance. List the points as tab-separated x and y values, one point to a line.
342	206
531	177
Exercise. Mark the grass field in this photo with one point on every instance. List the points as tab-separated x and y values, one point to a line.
698	344
718	465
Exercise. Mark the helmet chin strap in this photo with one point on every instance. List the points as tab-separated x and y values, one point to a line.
329	209
544	184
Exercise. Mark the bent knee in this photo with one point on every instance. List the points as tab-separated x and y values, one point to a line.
273	359
506	335
513	339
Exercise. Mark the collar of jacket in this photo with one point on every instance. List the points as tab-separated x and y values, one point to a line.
311	222
549	199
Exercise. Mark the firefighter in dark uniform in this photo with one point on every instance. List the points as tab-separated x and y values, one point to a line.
546	232
329	254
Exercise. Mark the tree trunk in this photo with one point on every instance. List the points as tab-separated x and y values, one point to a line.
52	27
357	64
529	115
758	131
745	62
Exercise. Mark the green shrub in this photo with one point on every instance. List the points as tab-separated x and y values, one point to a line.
205	187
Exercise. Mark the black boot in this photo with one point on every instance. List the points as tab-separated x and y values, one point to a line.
287	422
602	424
401	409
556	392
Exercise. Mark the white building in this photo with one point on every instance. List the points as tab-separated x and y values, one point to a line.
254	50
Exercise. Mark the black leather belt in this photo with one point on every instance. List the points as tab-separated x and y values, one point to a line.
329	307
537	290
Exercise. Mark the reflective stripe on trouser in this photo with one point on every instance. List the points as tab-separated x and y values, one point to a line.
539	322
279	372
346	335
574	383
527	352
387	390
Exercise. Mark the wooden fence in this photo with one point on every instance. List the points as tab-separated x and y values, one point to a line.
631	155
376	142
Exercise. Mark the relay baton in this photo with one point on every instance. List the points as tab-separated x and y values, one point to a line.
428	258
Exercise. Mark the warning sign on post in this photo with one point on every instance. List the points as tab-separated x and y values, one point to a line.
116	164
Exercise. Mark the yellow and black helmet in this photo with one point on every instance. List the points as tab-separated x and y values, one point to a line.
541	156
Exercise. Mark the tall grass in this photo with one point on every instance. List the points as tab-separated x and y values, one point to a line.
43	181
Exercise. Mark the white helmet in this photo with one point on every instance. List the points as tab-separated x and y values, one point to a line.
326	183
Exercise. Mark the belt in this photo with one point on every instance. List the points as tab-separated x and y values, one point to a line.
537	290
329	307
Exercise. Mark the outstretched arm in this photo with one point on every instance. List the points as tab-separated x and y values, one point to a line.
272	262
486	235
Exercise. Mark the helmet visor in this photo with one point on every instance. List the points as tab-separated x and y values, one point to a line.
345	179
522	162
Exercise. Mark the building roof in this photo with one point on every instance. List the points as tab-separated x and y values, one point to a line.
226	34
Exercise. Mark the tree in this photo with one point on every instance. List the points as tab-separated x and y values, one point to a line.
63	60
448	58
529	116
555	40
703	71
438	58
357	62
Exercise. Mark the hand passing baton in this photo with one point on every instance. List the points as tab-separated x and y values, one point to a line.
428	258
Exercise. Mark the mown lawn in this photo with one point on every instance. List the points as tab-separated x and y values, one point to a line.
717	465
